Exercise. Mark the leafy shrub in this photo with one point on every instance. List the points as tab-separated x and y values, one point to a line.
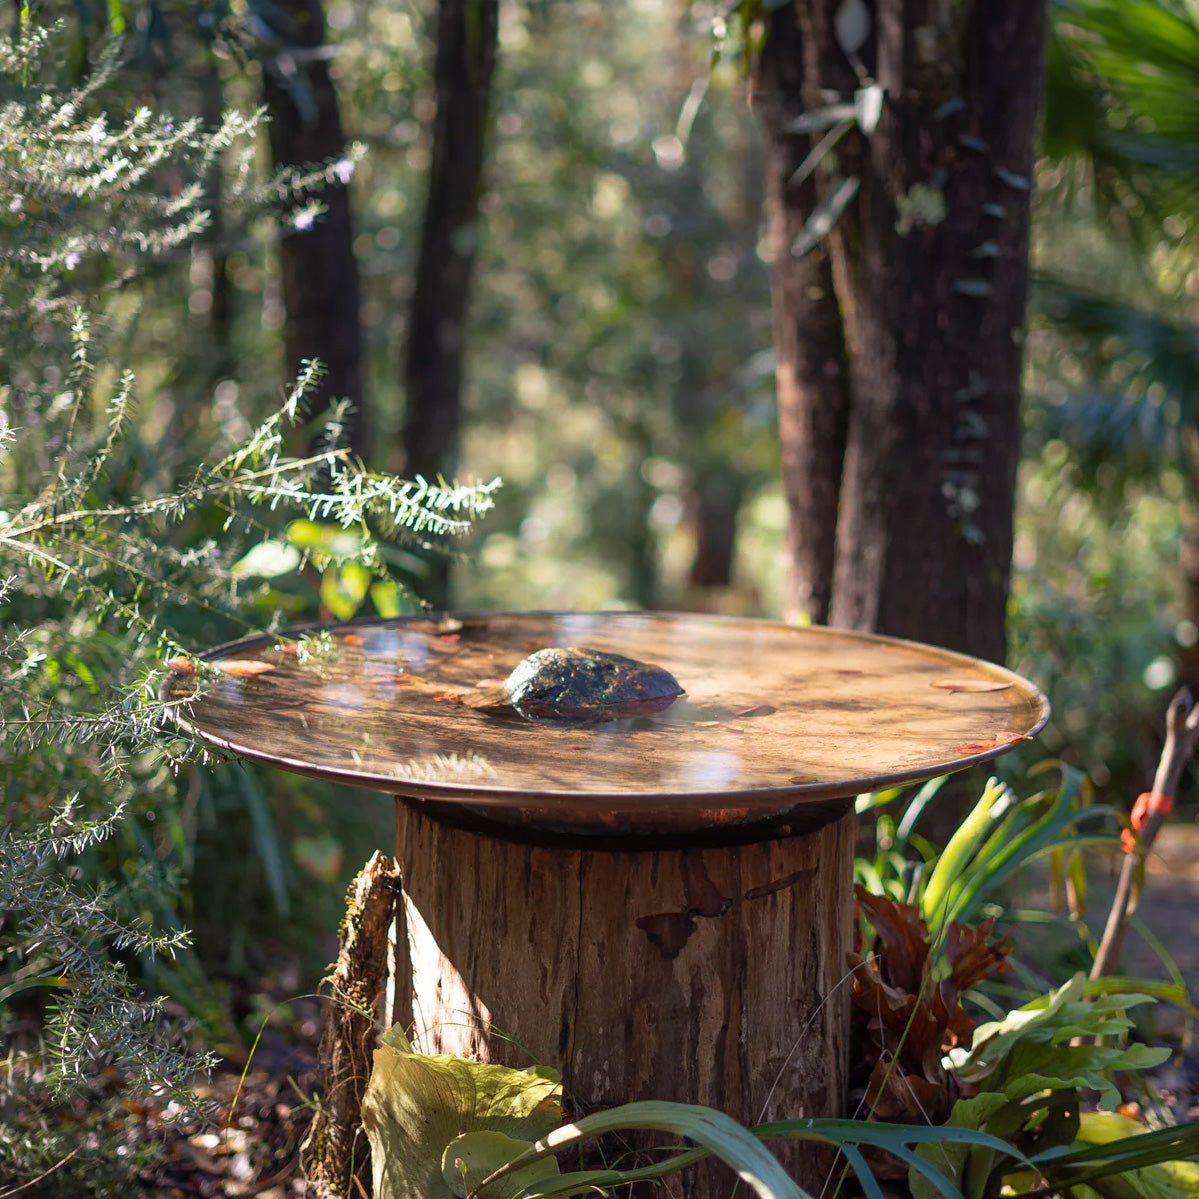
109	562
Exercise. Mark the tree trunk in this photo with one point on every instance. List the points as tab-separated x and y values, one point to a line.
718	496
707	976
320	286
467	32
813	396
930	271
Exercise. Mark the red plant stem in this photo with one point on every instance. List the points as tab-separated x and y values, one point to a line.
1182	735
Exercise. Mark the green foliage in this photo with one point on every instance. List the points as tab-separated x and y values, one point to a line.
1108	478
425	1113
1029	1068
999	837
437	1123
1135	126
110	559
1114	1157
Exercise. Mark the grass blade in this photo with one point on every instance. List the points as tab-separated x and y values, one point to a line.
739	1148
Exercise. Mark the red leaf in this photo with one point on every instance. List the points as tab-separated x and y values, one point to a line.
1000	739
242	668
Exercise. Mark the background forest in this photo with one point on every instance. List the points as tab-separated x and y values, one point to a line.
613	366
617	364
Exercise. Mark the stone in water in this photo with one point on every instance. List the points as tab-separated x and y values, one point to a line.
588	685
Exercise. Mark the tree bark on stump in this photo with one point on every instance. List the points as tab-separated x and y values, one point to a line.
708	976
336	1147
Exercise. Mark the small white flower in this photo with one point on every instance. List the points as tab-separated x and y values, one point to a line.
304	220
97	133
72	260
343	168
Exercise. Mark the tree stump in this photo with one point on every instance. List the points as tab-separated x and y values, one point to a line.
702	975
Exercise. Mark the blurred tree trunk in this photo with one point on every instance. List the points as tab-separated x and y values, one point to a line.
467	33
717	503
212	95
899	337
320	287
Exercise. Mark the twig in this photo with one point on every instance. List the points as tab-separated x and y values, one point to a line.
24	1186
1182	735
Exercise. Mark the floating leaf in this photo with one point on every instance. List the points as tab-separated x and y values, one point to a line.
978	685
996	742
242	668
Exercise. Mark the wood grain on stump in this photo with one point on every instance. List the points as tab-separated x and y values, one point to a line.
708	976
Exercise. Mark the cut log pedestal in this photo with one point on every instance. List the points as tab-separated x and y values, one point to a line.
713	976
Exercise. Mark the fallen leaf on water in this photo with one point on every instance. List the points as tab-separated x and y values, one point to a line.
242	668
353	639
443	627
970	685
447	697
1000	739
184	667
490	683
409	680
290	648
451	636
